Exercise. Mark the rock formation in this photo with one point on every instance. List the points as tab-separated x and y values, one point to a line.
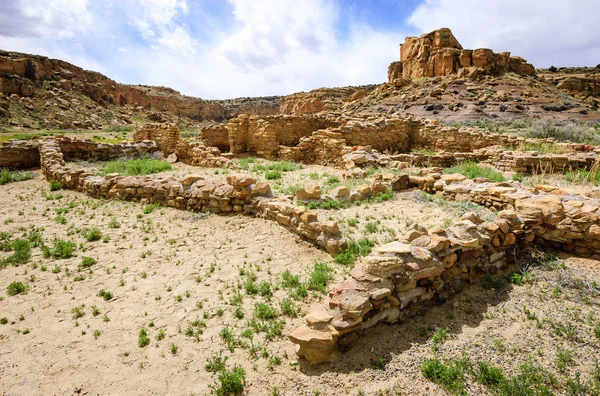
439	54
23	74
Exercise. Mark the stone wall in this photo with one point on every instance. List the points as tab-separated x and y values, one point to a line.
165	135
238	194
19	154
216	136
427	266
74	149
196	154
264	135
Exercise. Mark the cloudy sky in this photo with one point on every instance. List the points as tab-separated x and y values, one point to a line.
218	49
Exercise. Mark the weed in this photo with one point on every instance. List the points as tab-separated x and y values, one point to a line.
55	185
288	308
62	249
174	348
143	338
7	176
91	234
114	223
320	277
440	335
264	311
132	167
106	295
21	252
473	170
216	363
230	382
564	357
450	376
87	262
160	335
78	312
15	288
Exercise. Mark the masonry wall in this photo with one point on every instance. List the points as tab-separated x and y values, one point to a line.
165	135
216	136
19	154
238	194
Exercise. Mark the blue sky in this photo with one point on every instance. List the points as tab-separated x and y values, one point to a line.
230	48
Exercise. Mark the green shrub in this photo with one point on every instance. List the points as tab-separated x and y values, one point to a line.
7	176
449	376
273	175
230	382
489	375
320	277
15	288
133	167
91	234
21	253
264	311
55	185
106	295
143	338
473	170
87	262
355	249
582	176
62	249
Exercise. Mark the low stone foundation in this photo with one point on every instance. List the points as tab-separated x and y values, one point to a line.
19	154
426	266
239	194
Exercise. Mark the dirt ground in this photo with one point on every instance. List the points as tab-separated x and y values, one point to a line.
182	277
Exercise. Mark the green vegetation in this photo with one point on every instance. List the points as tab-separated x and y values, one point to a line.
62	249
531	379
132	167
473	170
55	185
230	382
21	252
15	288
582	176
143	338
91	234
8	176
354	250
320	277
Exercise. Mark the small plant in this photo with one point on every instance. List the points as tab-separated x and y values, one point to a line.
215	363
450	376
114	223
288	308
91	234
439	336
7	176
87	262
95	311
264	311
134	167
15	288
78	312
273	175
160	335
55	185
62	249
230	382
378	363
320	277
143	338
174	348
473	170
106	295
564	357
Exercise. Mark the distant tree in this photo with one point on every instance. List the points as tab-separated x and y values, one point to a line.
552	69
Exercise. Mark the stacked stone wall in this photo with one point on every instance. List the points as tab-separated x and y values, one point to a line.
427	266
238	194
165	135
216	136
19	154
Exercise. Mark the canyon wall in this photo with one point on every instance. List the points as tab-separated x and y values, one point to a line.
23	74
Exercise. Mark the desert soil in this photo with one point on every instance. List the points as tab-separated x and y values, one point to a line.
169	268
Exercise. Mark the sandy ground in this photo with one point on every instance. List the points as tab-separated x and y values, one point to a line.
169	268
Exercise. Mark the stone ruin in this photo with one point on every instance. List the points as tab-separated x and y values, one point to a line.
439	54
398	279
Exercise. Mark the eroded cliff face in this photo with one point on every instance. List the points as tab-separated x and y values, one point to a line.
440	54
24	74
322	99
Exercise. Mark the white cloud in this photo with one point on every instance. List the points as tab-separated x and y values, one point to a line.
545	32
56	19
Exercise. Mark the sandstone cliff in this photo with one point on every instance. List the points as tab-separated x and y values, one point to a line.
322	99
439	54
24	74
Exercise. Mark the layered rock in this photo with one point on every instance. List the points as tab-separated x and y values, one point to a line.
439	54
322	99
23	74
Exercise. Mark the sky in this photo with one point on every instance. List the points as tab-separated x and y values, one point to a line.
218	49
